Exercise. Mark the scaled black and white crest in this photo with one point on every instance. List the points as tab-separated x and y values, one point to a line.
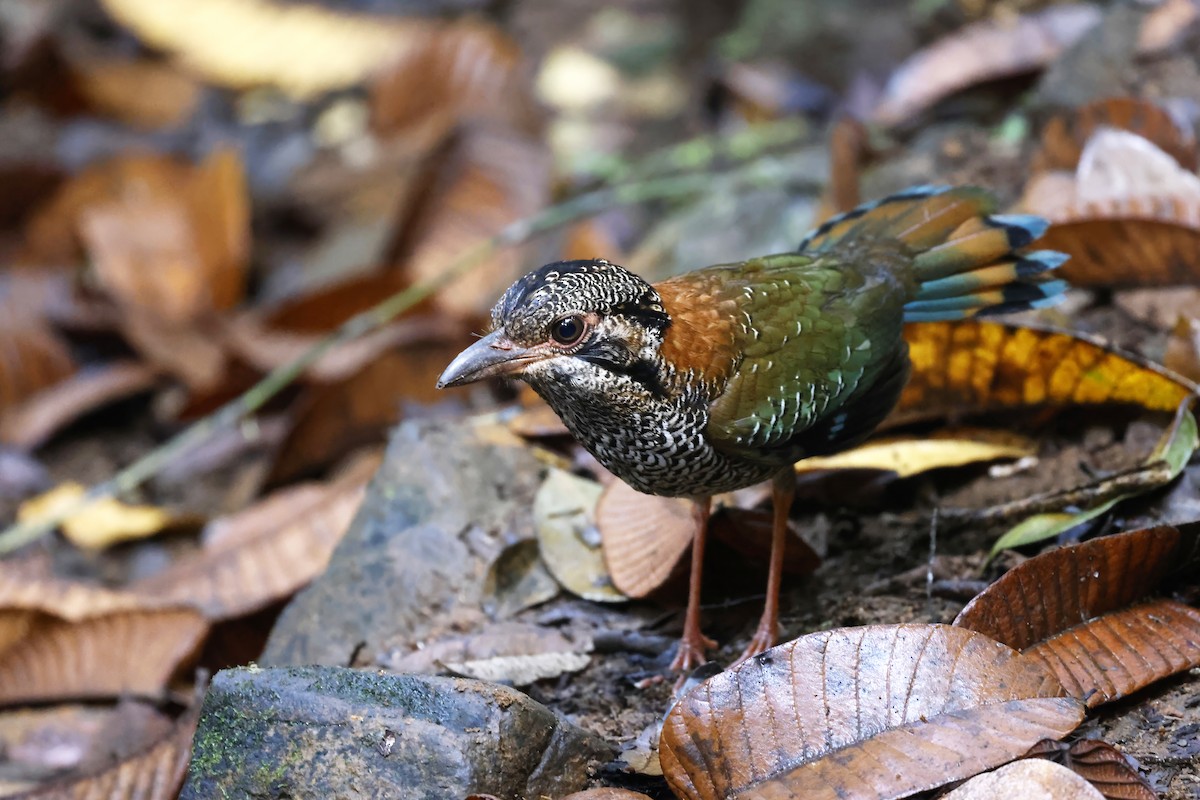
565	287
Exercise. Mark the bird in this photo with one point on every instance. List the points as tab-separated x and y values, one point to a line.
725	376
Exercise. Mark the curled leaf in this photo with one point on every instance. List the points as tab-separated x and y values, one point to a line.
872	712
1030	779
1103	765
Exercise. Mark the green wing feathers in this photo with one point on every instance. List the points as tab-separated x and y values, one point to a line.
822	330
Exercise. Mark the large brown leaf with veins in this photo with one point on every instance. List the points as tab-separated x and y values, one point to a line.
873	712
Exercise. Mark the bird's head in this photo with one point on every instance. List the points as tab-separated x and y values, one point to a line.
570	323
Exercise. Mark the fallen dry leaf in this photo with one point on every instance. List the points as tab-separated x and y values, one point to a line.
126	652
22	590
1033	780
154	774
1121	645
30	424
911	456
645	537
565	515
101	523
32	358
872	712
973	367
265	553
979	52
479	181
748	531
1066	135
1103	765
189	352
171	240
606	793
335	418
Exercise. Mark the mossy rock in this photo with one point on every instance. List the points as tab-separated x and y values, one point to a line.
343	733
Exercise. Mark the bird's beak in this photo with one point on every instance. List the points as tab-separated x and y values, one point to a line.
494	354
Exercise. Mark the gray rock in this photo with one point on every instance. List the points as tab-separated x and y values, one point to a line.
342	733
442	507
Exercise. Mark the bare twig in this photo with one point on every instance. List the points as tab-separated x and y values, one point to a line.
232	413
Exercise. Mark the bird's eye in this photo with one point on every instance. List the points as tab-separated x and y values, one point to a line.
567	330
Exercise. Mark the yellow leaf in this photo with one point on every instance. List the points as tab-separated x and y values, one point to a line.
908	456
97	525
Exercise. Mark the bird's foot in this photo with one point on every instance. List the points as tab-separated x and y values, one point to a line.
692	649
763	639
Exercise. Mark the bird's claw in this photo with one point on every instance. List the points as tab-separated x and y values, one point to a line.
763	640
691	652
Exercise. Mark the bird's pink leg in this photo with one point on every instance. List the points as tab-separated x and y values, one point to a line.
783	488
694	643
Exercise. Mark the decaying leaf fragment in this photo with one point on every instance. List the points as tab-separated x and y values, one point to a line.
565	513
1123	642
878	711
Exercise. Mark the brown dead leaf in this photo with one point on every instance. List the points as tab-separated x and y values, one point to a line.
878	711
1066	135
328	306
153	774
337	417
645	537
1122	645
262	554
1165	24
980	52
141	93
972	367
606	793
32	358
1134	241
516	653
1033	780
1103	765
189	352
23	590
848	144
170	240
481	180
126	652
33	422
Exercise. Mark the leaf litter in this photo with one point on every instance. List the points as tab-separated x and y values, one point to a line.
168	252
